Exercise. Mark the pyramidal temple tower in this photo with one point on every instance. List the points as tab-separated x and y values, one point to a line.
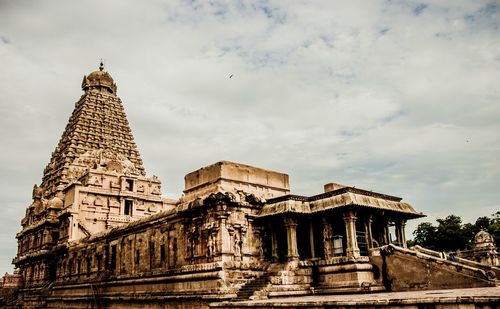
97	133
95	181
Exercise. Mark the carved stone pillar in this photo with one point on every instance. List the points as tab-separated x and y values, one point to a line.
311	238
403	233
352	249
244	241
369	236
223	243
400	232
327	239
386	235
291	237
258	242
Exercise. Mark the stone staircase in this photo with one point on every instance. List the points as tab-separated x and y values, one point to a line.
418	268
248	290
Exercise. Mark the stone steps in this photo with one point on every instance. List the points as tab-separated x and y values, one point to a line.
251	287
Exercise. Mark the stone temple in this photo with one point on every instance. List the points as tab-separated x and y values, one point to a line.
99	234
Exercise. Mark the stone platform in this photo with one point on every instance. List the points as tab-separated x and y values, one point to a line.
456	298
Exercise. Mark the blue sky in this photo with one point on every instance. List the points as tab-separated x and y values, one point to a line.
399	97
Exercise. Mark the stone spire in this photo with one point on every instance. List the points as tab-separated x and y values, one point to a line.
97	136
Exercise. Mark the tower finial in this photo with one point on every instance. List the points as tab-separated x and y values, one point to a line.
101	66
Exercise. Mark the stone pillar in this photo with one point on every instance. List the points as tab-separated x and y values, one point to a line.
243	241
327	239
258	242
311	238
400	232
350	227
369	236
385	226
223	239
291	237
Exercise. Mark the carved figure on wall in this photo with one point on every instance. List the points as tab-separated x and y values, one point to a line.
85	200
156	190
37	192
210	245
237	244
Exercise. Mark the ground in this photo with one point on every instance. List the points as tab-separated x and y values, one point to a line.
490	295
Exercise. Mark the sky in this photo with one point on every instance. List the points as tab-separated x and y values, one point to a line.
398	97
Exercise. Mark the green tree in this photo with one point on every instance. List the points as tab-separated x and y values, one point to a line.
425	235
469	230
494	227
482	223
450	235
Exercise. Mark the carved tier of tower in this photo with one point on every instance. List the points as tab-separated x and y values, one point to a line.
97	133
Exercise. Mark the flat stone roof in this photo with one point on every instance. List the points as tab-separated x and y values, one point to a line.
486	295
236	172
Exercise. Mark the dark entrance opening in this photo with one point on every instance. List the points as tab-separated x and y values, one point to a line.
361	236
281	241
303	239
112	264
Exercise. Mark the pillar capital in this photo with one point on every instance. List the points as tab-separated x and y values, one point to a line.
290	221
349	215
401	222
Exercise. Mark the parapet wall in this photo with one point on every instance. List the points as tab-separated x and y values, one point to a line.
236	176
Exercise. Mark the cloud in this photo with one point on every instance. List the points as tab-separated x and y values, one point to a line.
383	95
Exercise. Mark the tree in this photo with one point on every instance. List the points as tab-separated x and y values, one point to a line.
494	227
425	235
452	235
482	223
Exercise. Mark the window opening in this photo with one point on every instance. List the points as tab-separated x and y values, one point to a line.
128	207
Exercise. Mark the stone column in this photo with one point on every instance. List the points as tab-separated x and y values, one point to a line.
258	242
350	227
369	236
327	239
244	241
291	237
311	238
223	239
387	238
400	232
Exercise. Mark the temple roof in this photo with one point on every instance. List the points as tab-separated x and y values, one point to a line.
336	199
99	78
97	134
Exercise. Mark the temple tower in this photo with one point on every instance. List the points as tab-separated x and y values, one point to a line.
97	129
95	180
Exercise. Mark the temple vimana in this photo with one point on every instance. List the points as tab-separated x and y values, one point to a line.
99	234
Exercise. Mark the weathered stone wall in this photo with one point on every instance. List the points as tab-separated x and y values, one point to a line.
206	250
